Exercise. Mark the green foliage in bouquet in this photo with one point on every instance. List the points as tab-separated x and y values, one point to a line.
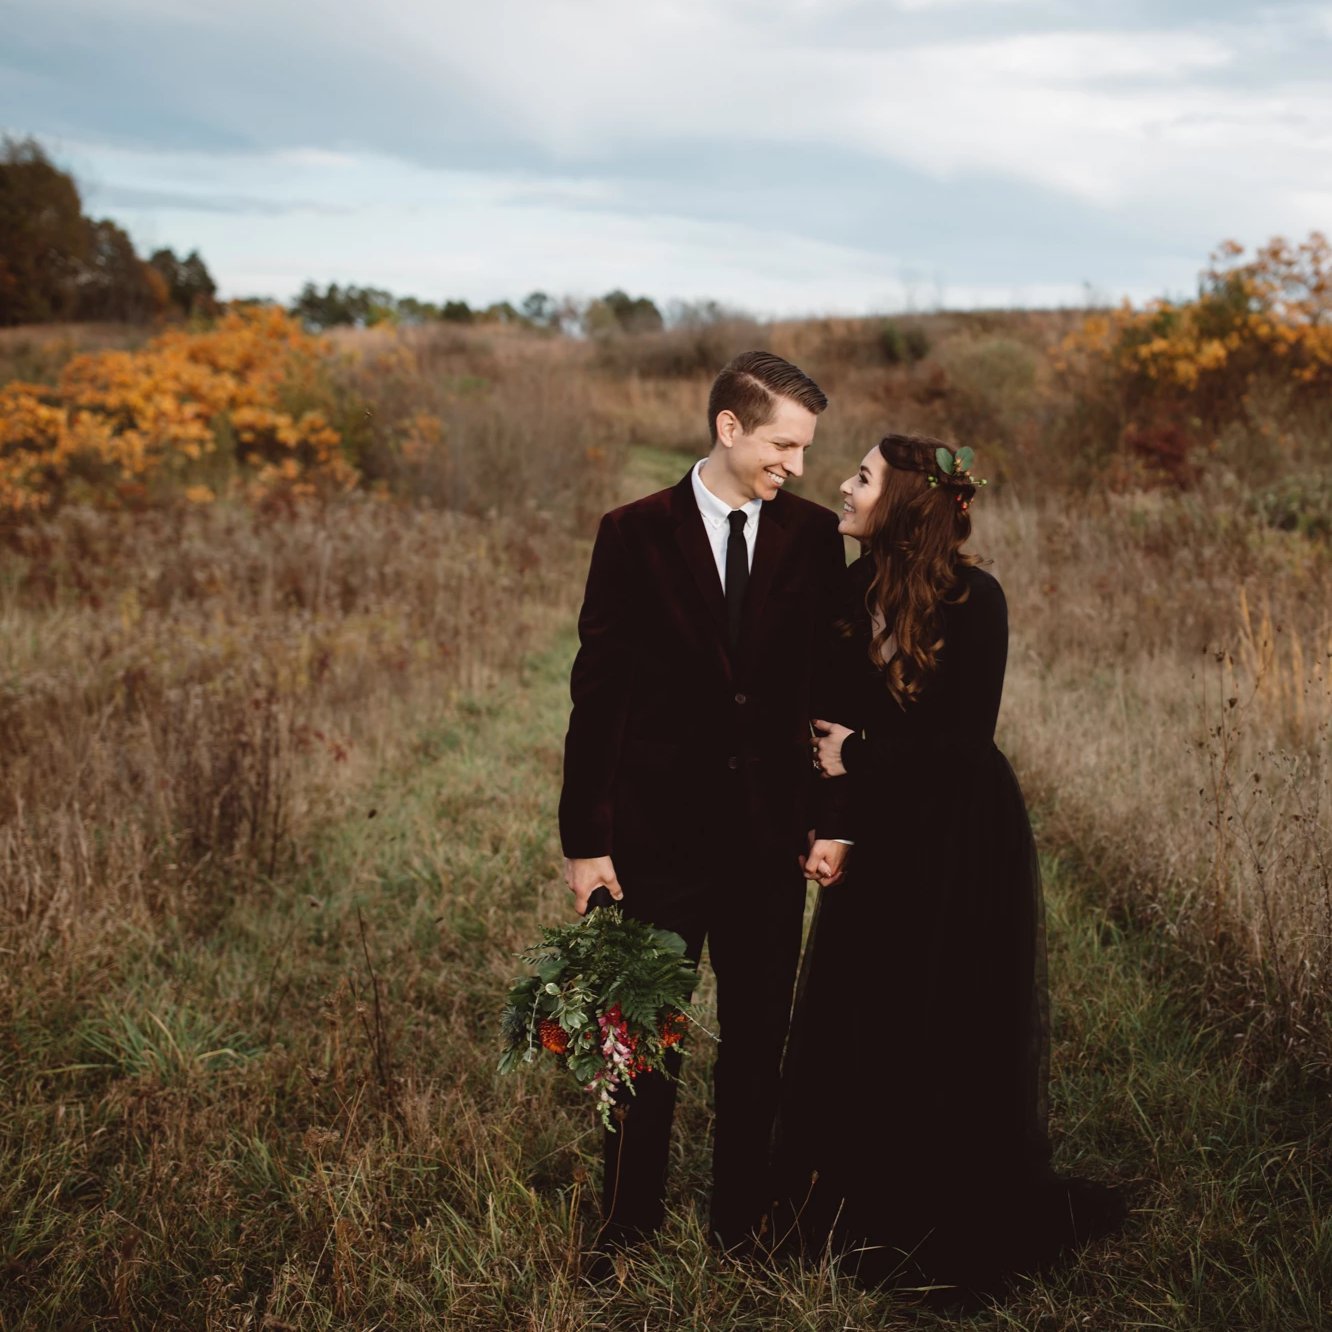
608	997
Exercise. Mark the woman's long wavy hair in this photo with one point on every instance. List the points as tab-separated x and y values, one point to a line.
916	534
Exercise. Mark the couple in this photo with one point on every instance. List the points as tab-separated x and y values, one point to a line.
745	708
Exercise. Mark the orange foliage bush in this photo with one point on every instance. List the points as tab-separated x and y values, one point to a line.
187	415
1177	373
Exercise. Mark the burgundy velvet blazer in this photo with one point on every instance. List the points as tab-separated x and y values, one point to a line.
676	745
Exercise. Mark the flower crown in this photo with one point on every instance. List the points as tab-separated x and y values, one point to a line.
953	469
955	474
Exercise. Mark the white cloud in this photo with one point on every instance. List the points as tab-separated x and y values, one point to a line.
482	236
590	131
929	6
1107	117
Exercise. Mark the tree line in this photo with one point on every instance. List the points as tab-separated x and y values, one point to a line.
57	264
615	312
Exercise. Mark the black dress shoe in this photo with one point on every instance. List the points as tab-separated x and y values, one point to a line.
748	1245
606	1257
597	1266
1094	1209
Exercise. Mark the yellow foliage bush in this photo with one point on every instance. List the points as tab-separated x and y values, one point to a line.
191	414
1177	373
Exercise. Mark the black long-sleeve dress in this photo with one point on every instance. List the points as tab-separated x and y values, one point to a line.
912	1127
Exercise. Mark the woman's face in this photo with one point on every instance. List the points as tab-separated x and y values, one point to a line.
860	493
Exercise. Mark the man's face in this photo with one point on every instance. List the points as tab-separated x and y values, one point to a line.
758	465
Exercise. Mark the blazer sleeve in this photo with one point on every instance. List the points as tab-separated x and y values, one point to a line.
833	693
598	686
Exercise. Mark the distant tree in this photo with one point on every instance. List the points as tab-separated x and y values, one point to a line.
539	309
44	237
704	314
362	307
114	283
569	315
55	263
502	312
412	311
457	312
617	312
158	291
371	306
598	320
322	309
308	306
633	314
189	284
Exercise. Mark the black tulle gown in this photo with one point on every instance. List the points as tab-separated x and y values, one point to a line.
912	1129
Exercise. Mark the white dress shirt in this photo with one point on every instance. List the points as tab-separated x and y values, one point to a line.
717	521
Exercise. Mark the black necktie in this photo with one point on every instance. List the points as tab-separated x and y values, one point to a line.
737	572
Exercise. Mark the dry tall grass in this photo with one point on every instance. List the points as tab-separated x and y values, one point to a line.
184	692
276	812
181	688
38	352
1179	740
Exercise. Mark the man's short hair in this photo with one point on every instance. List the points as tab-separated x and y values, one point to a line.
750	386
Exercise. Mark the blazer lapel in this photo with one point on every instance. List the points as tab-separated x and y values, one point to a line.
694	546
773	538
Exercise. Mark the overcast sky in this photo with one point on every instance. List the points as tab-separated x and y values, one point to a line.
784	156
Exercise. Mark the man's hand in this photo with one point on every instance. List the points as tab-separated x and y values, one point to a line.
826	861
584	877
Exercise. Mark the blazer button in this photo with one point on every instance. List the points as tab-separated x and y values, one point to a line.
741	698
733	762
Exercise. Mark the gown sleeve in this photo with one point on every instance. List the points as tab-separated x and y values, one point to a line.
963	700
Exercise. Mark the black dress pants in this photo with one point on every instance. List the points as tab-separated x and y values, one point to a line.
750	914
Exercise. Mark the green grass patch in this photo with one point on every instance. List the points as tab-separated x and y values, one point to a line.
295	1122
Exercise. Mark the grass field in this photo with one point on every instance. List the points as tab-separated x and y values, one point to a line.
277	810
291	1120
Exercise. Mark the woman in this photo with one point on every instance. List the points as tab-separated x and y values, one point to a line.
912	1134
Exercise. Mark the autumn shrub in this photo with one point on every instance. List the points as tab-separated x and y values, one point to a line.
192	415
1157	387
901	344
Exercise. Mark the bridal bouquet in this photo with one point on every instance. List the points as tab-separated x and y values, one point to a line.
608	998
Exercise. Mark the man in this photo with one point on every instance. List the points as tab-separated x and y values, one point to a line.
689	786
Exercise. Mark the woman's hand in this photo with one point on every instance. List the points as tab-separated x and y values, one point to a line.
826	861
827	746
